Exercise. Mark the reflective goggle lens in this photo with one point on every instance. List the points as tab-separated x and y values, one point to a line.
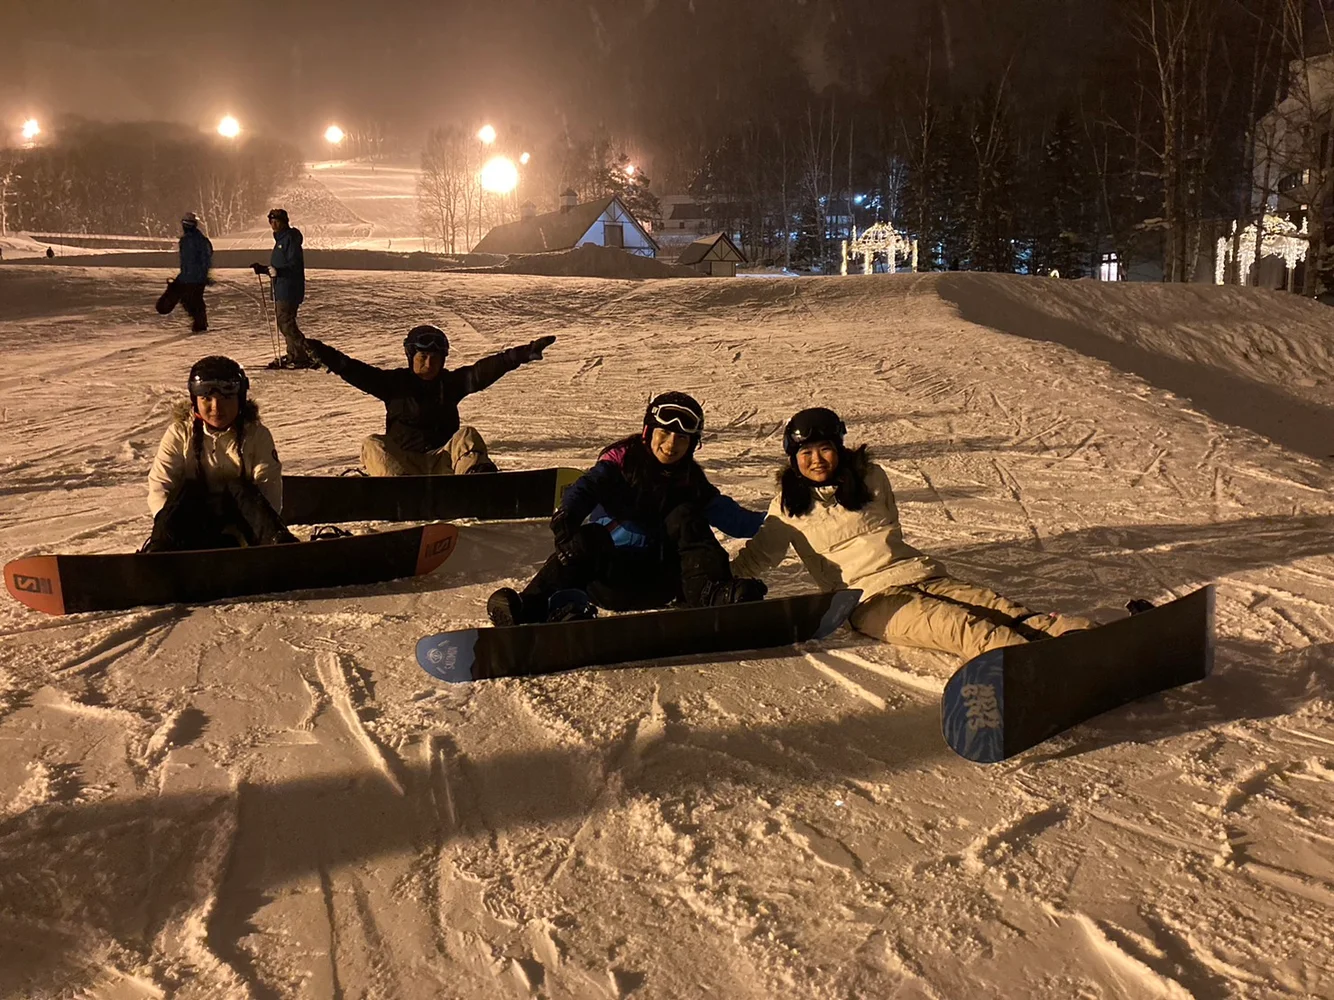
211	386
670	416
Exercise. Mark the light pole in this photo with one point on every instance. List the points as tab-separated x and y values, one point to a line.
499	176
333	135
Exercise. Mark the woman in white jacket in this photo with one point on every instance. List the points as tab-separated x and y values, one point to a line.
836	508
216	481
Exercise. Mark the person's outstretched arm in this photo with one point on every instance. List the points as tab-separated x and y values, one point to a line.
477	376
766	550
376	381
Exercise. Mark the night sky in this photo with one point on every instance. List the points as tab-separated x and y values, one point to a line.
644	68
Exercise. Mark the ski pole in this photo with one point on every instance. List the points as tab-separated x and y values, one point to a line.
271	323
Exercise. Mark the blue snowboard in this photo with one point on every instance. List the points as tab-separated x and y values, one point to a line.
527	650
1008	700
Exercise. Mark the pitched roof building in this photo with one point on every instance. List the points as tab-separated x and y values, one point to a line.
714	255
604	222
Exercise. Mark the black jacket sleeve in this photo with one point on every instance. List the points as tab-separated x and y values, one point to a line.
477	376
591	490
376	381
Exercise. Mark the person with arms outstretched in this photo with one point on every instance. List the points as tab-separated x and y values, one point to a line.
836	508
422	431
636	531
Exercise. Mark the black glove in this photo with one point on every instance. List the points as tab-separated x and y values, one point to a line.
535	349
568	547
260	268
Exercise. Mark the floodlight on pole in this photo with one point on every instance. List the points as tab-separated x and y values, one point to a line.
229	127
487	134
31	130
333	135
524	159
629	170
499	175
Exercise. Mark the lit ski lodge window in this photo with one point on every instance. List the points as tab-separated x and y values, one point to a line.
1110	268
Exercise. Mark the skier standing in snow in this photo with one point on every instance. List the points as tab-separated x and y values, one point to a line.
216	481
636	530
422	435
837	509
196	252
287	268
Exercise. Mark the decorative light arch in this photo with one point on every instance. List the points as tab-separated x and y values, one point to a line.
879	238
1281	238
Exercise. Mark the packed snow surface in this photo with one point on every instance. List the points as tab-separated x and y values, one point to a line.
267	798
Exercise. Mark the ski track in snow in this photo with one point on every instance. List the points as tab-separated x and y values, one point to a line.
267	798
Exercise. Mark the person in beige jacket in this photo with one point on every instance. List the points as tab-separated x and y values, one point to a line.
216	481
837	509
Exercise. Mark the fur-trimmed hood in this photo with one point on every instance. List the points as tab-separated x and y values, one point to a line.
182	412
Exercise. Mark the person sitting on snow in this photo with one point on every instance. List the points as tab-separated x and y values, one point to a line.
422	435
216	481
636	531
837	509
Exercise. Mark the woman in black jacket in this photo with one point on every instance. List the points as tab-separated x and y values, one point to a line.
636	530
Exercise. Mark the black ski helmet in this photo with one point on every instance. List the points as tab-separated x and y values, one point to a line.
190	221
425	338
676	412
278	213
814	424
217	373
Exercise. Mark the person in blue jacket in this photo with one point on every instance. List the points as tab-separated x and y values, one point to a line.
636	531
196	258
287	268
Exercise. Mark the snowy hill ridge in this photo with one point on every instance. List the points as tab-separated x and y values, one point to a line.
268	798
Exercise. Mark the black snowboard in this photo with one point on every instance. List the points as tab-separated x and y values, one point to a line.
169	299
498	496
61	585
1007	700
526	650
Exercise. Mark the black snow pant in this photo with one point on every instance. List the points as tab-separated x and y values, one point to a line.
192	298
194	518
284	313
627	579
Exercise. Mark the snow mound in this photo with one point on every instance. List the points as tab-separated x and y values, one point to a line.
268	798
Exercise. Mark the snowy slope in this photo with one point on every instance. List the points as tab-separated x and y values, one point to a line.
267	798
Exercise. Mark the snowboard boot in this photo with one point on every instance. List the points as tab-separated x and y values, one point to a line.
570	606
1138	605
734	591
483	466
507	608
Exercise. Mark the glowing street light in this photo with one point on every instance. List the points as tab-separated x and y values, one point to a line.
499	175
333	135
229	127
31	130
524	159
487	134
629	170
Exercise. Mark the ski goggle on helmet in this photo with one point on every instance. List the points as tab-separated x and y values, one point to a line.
676	412
217	375
425	338
815	424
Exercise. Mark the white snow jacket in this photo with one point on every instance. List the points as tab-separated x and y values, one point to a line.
862	549
219	456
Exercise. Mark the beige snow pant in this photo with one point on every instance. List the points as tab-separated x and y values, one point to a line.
382	457
954	617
